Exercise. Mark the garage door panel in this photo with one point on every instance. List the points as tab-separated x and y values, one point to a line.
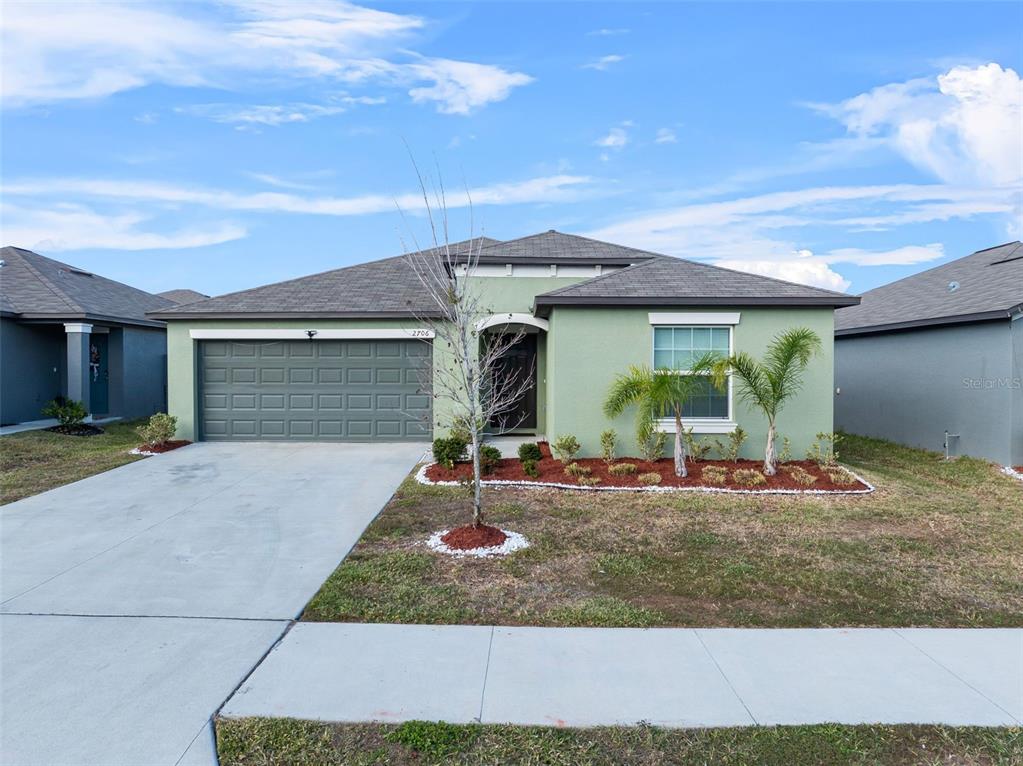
307	390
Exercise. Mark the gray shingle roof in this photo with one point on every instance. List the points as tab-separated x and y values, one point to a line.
378	288
990	285
663	279
33	285
183	296
553	246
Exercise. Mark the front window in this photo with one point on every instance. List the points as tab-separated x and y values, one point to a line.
675	348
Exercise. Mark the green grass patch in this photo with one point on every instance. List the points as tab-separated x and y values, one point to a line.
285	742
35	461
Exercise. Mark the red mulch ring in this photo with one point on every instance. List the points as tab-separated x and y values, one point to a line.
166	446
552	471
469	537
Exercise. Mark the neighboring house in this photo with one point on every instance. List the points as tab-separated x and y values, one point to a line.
182	297
244	365
67	332
940	351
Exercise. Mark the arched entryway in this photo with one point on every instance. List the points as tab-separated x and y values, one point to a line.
524	359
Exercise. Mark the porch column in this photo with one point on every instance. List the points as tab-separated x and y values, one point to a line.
78	362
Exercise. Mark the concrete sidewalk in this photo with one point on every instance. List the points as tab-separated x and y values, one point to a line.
667	677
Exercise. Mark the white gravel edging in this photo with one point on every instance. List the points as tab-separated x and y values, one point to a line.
140	451
422	478
513	542
1010	471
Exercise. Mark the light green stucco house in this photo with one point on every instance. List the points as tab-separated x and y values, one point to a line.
337	355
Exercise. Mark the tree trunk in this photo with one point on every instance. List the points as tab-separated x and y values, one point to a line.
680	450
477	494
770	467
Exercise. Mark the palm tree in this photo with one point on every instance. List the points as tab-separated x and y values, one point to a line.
769	383
661	393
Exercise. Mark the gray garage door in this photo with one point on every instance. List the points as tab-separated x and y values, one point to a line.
313	390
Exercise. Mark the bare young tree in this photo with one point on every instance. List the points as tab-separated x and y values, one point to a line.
471	376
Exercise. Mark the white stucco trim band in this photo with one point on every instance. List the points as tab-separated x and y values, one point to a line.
695	318
77	327
699	426
512	317
413	333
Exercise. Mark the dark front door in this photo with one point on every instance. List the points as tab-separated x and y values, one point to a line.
518	364
99	375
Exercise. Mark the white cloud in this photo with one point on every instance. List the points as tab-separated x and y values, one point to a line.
616	138
665	136
803	272
76	227
260	114
557	188
964	126
604	62
67	51
608	32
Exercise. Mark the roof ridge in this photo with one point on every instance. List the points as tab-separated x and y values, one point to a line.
60	294
995	247
614	273
938	266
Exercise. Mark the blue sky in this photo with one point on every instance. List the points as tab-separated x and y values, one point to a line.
223	146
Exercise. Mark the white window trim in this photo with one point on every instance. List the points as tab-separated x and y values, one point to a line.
414	333
702	425
695	318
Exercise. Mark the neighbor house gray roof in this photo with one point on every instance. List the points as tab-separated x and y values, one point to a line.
33	286
183	296
388	287
674	281
985	285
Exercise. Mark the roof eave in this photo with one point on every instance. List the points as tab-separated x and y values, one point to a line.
915	324
35	316
169	316
560	260
545	303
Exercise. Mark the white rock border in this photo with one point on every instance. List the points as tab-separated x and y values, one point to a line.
422	479
1010	471
144	453
513	542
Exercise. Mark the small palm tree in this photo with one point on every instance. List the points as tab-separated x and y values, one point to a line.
769	383
661	393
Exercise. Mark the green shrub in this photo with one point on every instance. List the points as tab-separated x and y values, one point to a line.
530	451
622	469
589	481
786	450
530	469
748	477
460	430
801	476
649	478
574	469
608	439
840	475
159	430
824	451
730	451
697	449
565	448
489	458
435	740
449	451
69	412
651	444
714	474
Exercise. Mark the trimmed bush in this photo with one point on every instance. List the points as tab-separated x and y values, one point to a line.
565	448
651	444
159	430
801	476
530	451
589	481
449	451
730	451
530	469
69	412
714	474
748	477
824	451
574	469
622	469
649	478
608	439
840	476
489	457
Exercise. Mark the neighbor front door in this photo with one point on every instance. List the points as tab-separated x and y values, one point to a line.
99	375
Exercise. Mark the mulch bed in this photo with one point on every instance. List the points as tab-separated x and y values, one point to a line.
553	472
82	430
469	537
165	447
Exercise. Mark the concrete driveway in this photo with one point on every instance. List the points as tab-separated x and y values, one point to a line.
134	602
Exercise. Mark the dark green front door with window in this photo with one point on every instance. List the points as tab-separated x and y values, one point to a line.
314	390
99	374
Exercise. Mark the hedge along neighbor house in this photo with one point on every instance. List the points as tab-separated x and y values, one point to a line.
940	351
334	355
67	332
